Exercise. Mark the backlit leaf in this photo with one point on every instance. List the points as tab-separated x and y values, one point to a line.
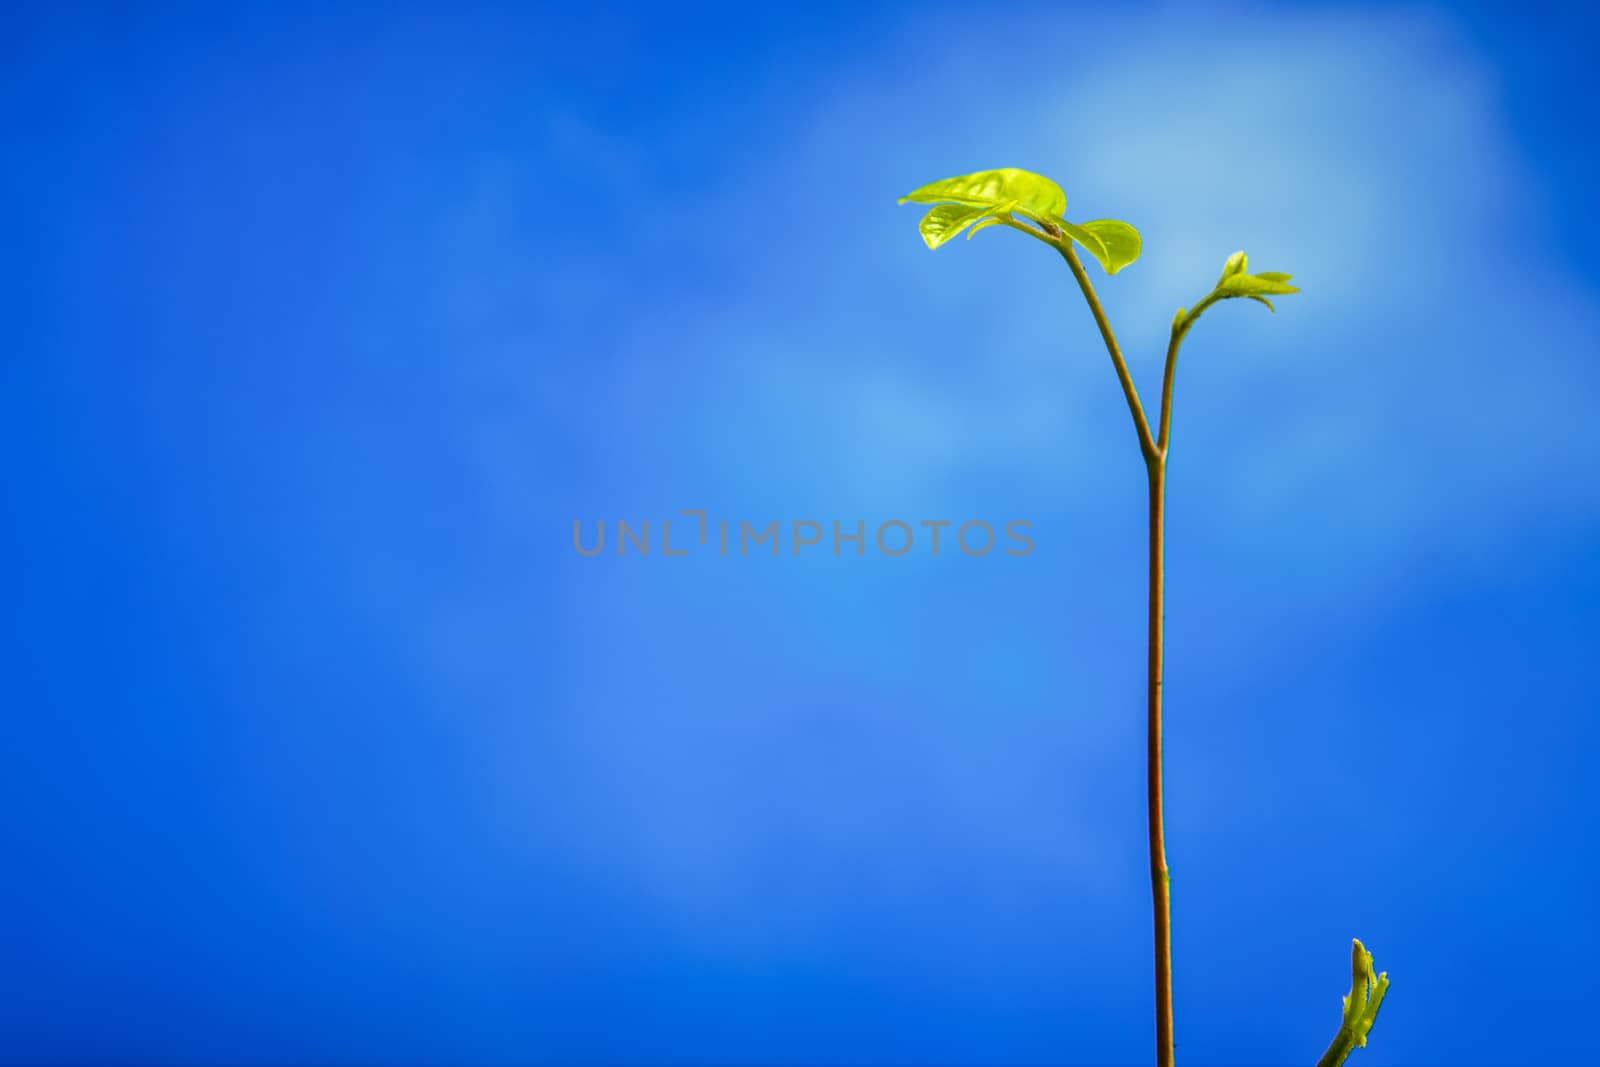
1087	238
1119	241
992	220
988	195
1033	193
947	220
1253	285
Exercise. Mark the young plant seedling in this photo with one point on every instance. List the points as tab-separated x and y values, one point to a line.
1035	205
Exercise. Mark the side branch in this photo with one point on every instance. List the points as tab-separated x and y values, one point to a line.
1147	444
1167	377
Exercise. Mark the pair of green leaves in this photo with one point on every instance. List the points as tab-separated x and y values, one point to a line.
992	197
972	202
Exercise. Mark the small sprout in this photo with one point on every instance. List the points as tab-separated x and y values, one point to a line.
1236	281
1035	205
1360	1007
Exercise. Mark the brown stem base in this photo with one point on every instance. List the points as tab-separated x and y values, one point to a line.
1160	882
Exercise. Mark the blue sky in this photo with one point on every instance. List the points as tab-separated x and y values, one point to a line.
326	746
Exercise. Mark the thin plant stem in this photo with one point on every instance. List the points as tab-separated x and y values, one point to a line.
1155	456
1367	991
1160	882
1166	391
1344	1042
1147	444
1180	328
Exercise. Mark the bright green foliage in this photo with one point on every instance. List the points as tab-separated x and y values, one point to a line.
994	195
973	202
1034	194
1360	1007
992	220
1115	244
1255	284
947	220
1236	281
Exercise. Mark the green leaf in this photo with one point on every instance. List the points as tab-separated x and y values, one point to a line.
1087	238
1033	193
1120	243
947	220
998	192
992	220
1235	265
1253	285
1236	281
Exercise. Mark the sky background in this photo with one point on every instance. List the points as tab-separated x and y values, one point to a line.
322	745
